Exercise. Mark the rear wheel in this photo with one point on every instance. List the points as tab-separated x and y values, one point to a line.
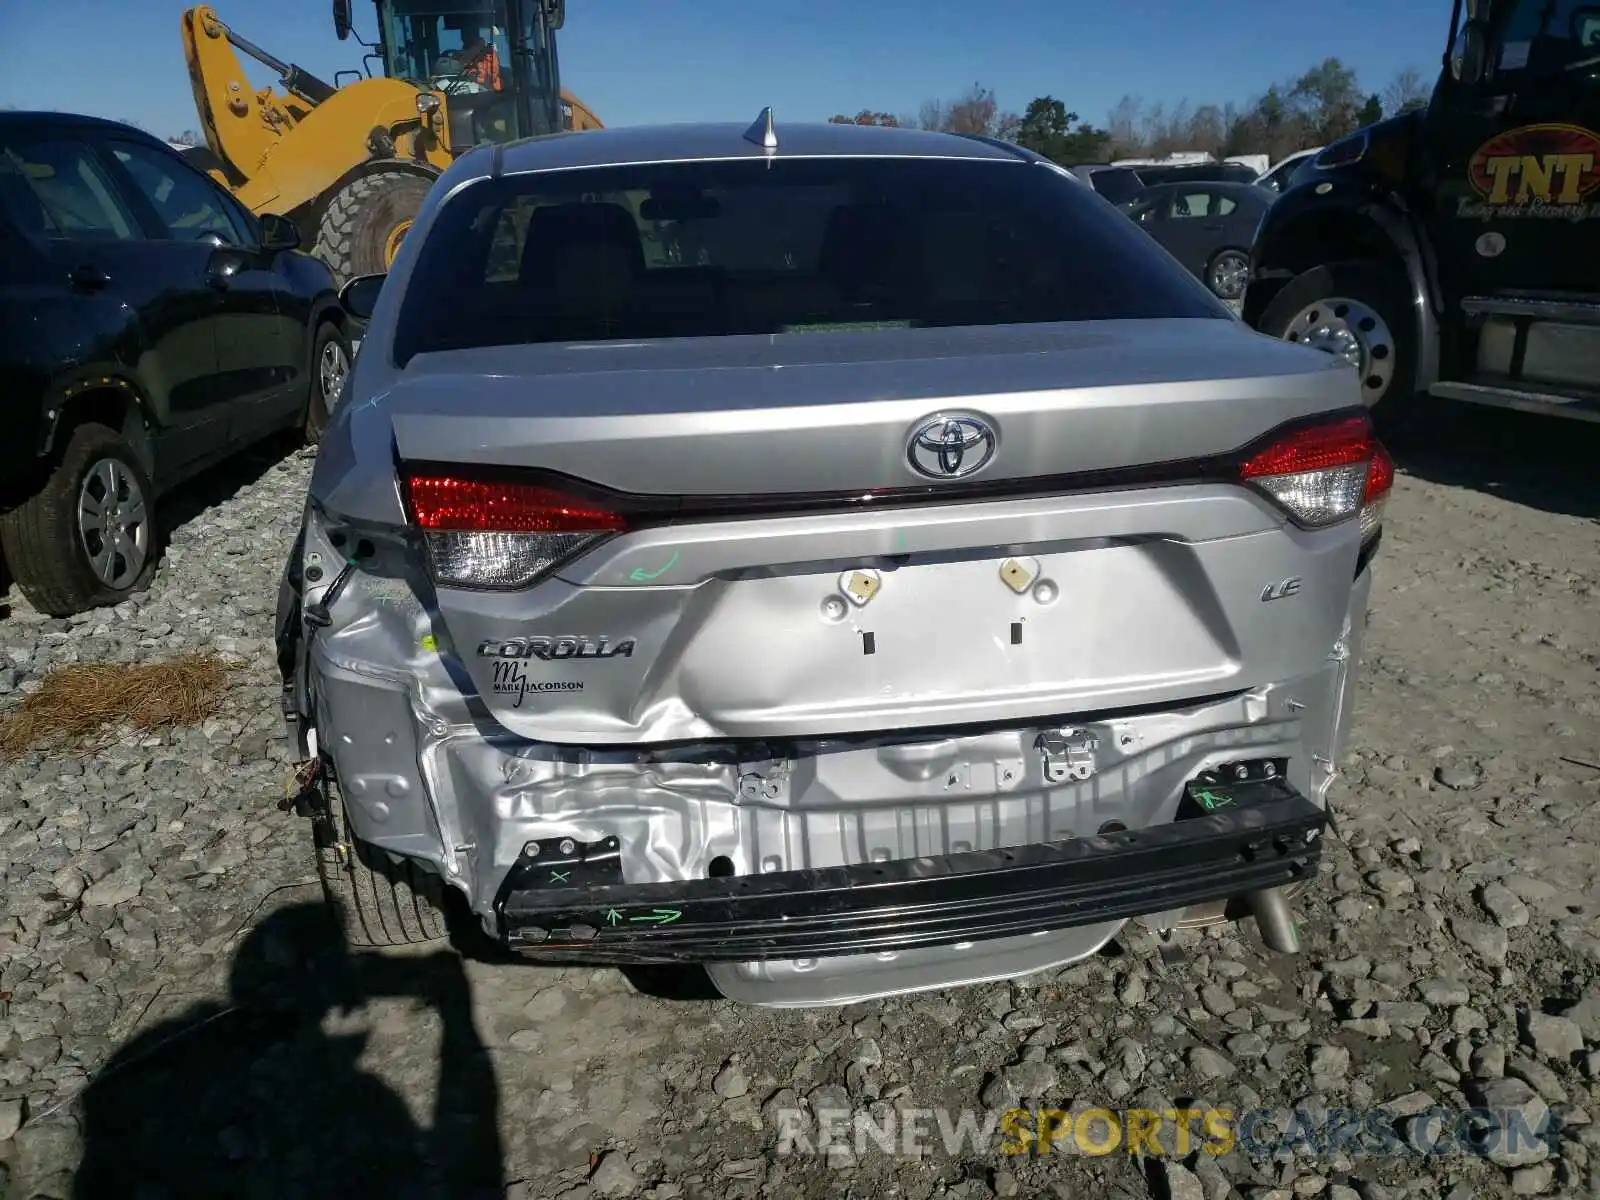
1227	274
330	363
1359	313
376	900
87	538
367	219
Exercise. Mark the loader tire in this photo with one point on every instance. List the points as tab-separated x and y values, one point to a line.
363	225
377	901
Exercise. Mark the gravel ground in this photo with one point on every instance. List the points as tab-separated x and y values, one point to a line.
161	933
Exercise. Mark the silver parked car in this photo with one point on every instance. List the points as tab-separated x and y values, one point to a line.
853	559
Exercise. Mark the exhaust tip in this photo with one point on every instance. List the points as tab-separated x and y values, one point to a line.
1273	918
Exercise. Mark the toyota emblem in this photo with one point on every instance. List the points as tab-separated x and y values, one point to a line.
951	445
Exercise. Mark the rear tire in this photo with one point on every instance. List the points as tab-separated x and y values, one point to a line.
53	539
364	223
377	901
1361	312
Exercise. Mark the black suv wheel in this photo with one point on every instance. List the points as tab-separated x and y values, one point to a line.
87	538
330	363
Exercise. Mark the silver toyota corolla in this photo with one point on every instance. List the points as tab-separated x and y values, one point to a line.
856	560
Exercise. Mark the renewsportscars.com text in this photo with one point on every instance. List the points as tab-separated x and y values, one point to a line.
1258	1132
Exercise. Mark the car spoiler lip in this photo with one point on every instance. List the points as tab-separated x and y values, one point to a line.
1267	836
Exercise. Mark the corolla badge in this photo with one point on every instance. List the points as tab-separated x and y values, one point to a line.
555	649
951	445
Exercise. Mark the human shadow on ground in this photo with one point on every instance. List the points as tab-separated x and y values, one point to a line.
1543	462
251	1098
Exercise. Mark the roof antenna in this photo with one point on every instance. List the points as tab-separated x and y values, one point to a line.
761	132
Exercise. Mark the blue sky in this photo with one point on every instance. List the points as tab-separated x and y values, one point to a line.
636	61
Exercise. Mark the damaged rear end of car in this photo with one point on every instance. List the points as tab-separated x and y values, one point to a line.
853	608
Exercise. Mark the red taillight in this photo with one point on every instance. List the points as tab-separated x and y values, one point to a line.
440	502
1316	448
502	535
1380	476
1323	474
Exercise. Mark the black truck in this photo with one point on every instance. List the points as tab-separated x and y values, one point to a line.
1452	253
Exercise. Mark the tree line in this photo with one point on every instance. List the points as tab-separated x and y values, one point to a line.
1322	104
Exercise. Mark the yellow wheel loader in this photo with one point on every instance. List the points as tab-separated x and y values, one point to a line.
352	163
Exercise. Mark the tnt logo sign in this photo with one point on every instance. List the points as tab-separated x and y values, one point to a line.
1537	165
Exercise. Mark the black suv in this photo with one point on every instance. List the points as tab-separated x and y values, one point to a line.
150	326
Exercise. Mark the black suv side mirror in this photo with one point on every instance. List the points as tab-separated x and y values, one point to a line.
279	233
341	19
359	296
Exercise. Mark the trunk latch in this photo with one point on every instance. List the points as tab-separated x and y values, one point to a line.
1067	754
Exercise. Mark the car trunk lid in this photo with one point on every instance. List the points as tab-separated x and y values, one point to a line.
808	413
778	567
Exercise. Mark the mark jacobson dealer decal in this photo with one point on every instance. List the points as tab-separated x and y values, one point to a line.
510	661
1545	171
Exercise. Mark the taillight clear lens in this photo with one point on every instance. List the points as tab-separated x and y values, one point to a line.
501	535
1324	474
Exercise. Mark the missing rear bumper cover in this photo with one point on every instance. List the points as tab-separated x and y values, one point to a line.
1267	837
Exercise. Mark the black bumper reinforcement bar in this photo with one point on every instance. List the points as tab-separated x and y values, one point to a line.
565	901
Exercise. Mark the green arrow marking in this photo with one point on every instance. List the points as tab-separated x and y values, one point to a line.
659	916
640	575
612	916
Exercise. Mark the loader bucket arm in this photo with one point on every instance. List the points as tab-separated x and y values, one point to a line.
241	122
335	140
582	115
296	80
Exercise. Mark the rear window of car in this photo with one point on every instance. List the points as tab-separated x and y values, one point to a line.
1118	185
1208	172
783	246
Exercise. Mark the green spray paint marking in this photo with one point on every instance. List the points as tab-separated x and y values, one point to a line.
640	575
1211	800
656	916
659	916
